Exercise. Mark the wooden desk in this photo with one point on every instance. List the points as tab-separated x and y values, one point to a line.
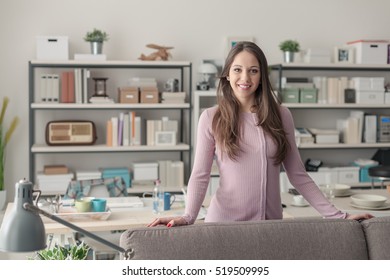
342	203
120	219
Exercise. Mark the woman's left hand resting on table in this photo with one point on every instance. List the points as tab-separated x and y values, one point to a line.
169	222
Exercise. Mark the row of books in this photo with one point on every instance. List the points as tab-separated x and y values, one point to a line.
124	130
127	130
359	127
68	87
171	173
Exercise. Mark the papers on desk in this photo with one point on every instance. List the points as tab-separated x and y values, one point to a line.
124	202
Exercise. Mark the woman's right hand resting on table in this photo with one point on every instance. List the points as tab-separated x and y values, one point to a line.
169	222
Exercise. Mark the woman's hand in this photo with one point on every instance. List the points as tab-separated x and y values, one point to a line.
169	222
360	217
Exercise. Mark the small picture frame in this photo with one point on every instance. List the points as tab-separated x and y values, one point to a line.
165	138
343	55
232	41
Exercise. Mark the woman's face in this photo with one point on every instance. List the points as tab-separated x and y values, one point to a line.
244	76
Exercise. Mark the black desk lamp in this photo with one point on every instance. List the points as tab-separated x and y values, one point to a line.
23	230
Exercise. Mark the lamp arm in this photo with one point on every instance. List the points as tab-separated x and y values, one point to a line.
34	209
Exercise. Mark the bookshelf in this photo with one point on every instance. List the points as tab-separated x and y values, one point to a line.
84	157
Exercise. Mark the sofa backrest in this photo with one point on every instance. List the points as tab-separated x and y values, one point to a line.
377	231
299	239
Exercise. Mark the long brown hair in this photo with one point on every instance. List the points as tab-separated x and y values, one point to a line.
226	120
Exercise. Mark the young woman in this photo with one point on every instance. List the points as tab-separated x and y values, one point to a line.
251	135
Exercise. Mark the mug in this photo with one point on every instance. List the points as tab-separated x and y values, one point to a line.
169	199
83	204
98	205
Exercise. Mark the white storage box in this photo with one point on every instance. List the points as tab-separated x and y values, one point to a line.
370	51
145	171
387	97
53	184
52	48
347	174
365	83
370	97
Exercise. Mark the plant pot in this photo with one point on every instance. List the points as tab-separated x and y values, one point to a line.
288	57
96	47
3	199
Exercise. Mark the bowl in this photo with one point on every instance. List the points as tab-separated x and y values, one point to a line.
341	189
369	200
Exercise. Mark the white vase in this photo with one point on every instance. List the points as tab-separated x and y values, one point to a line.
3	199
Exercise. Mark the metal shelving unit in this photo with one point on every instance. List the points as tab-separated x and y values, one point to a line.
182	69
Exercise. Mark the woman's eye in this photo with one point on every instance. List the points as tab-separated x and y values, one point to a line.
254	71
236	70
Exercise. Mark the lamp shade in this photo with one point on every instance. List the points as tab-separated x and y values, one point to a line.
22	230
207	68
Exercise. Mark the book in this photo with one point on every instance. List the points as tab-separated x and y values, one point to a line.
109	133
64	87
114	134
55	169
325	136
370	128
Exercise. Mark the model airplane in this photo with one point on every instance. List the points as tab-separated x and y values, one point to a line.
161	53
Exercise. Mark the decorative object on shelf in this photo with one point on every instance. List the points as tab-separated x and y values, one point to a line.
96	38
343	55
4	139
206	70
64	133
172	85
100	87
161	53
289	48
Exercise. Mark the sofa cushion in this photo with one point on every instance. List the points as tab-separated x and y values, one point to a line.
273	239
377	231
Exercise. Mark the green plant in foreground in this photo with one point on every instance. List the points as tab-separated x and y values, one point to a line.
289	46
96	36
4	139
77	252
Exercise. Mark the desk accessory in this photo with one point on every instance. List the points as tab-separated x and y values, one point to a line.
23	230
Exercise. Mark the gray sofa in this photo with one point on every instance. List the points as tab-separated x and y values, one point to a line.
299	239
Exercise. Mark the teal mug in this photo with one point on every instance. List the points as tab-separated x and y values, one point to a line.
99	205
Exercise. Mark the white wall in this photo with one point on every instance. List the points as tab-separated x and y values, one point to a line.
197	29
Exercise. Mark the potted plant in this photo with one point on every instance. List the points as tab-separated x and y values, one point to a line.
289	48
96	37
75	252
5	136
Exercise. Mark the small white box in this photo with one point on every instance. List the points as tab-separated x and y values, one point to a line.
145	171
370	97
52	47
348	174
365	83
370	51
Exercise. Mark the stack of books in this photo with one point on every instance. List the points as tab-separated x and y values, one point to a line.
88	175
173	97
101	99
325	136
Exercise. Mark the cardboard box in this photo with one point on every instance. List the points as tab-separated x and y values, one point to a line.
145	171
149	95
370	97
52	47
370	51
128	95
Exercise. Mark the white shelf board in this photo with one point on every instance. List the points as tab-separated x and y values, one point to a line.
286	66
334	106
42	148
109	106
344	146
142	63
